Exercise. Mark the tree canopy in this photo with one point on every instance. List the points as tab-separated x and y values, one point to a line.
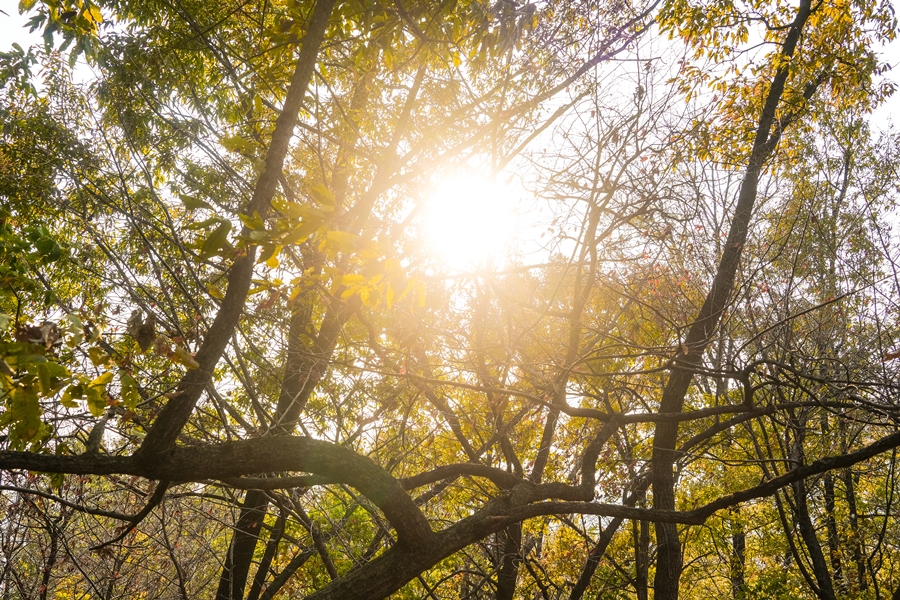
234	363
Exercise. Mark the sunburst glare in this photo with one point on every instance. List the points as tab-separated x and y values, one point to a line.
470	220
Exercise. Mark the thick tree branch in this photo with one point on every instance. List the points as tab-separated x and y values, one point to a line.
178	410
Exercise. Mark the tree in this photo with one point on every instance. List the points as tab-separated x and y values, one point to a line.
219	307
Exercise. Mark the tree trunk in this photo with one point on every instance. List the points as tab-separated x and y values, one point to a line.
511	546
642	562
738	546
240	552
594	557
690	353
824	583
834	548
855	539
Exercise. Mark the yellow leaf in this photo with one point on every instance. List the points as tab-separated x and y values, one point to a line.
342	239
370	296
214	291
352	280
93	14
323	195
102	380
183	357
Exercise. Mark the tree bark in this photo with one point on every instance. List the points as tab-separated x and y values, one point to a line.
511	546
855	538
233	579
738	548
597	552
824	583
834	545
699	336
175	414
642	562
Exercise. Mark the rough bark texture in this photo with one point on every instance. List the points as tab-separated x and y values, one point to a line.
825	587
834	545
511	545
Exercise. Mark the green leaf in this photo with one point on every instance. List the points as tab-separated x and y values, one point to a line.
194	203
322	194
75	329
98	357
130	395
25	413
300	233
96	401
255	222
269	251
205	224
216	240
73	392
238	144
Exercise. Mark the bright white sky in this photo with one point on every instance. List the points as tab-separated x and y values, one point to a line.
12	27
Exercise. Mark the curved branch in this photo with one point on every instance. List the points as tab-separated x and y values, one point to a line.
247	457
154	501
91	511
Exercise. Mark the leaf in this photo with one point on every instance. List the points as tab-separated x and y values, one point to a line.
238	144
301	232
216	240
25	413
44	377
370	296
95	393
352	280
94	14
269	251
270	301
322	195
338	241
194	203
98	357
75	329
73	392
204	224
130	395
183	357
96	401
215	291
255	222
102	380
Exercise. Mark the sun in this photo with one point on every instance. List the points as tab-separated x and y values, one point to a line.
470	220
